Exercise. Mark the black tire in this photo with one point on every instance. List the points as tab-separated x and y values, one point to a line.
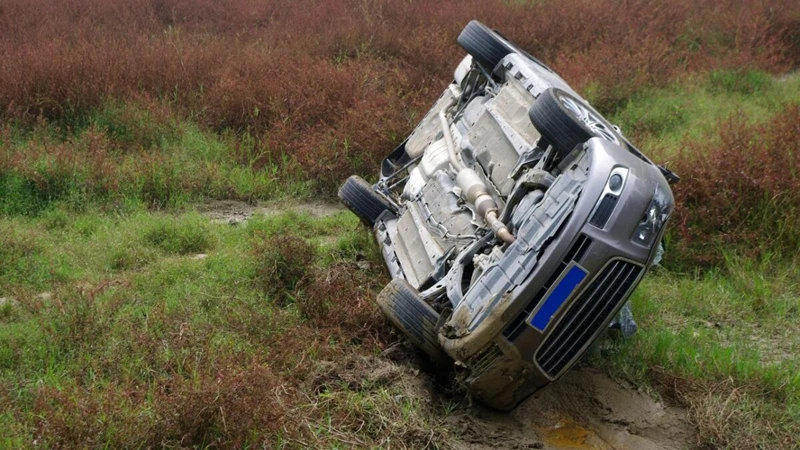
562	127
404	307
359	197
484	45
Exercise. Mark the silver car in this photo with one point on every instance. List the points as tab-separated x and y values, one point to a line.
515	222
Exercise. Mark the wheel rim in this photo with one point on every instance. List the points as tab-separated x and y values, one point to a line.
592	120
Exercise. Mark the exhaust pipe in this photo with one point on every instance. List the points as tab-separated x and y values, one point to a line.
472	187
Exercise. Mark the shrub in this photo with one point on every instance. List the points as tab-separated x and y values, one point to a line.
231	408
327	87
136	125
282	261
19	254
131	257
341	296
14	246
739	194
77	317
738	81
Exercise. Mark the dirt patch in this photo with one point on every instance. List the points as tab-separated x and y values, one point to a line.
587	409
584	410
483	429
234	212
227	211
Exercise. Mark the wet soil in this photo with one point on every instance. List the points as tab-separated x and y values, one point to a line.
585	409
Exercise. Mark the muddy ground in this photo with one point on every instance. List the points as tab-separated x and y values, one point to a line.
585	409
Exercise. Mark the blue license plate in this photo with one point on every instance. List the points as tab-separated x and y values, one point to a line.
557	297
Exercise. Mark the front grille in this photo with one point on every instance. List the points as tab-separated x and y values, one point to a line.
575	253
604	210
586	315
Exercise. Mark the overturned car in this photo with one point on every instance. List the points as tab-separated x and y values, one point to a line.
515	222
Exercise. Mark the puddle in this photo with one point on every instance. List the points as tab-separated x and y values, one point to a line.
566	434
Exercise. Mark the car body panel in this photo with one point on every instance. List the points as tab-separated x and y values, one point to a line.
516	315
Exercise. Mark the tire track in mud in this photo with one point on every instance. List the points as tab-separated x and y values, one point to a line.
585	409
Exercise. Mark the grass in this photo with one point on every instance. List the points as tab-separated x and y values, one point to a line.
128	319
117	331
724	344
320	89
125	155
104	312
661	119
125	325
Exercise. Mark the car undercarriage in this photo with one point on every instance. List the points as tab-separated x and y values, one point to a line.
515	222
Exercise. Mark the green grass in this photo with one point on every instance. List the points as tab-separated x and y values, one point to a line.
130	154
723	335
658	120
103	312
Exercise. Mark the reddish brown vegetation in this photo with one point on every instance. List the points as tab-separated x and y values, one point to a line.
335	84
227	406
158	379
320	300
740	193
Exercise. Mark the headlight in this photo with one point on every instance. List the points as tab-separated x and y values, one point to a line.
609	197
654	218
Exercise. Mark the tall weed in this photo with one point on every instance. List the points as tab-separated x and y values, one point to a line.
332	86
739	193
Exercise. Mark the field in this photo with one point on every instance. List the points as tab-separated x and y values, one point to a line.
137	312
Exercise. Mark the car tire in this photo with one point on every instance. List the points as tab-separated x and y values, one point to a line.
359	197
566	121
404	307
485	46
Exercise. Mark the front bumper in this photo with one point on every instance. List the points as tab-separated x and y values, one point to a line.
491	330
516	353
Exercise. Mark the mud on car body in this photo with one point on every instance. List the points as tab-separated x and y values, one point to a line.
515	222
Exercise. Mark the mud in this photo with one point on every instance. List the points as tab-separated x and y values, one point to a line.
234	212
587	409
584	410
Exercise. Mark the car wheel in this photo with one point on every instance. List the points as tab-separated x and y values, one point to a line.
404	307
359	197
566	121
484	45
